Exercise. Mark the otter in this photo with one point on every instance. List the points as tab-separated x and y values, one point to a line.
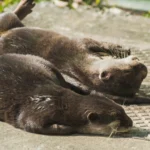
34	97
78	59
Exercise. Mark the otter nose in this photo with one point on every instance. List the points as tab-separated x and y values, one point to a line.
130	122
139	68
133	58
142	69
105	75
127	122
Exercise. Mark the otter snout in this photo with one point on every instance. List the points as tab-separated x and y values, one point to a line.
121	76
139	68
133	58
126	122
124	66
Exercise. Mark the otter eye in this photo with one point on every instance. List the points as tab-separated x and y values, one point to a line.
103	74
93	117
127	71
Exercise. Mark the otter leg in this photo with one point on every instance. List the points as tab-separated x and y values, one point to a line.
124	100
105	48
56	129
9	21
35	125
31	124
129	101
68	85
79	90
12	20
24	8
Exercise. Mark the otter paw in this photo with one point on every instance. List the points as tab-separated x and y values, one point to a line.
24	8
122	53
62	129
26	5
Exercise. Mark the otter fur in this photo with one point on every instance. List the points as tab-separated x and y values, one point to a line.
78	59
34	97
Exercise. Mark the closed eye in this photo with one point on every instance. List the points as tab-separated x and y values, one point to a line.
127	71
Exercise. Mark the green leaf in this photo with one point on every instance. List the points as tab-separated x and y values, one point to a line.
97	2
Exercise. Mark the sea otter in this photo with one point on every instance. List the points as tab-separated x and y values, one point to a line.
34	97
78	59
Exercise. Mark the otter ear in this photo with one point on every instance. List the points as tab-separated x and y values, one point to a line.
93	117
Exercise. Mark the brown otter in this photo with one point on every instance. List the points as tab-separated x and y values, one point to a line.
78	59
33	98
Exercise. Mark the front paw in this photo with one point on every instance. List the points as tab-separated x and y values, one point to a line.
27	5
62	129
120	52
123	53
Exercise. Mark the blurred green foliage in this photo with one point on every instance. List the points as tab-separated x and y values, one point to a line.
6	3
147	14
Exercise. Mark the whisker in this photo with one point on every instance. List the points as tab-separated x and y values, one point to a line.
114	131
111	133
124	101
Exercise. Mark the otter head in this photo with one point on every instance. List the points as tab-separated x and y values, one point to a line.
105	117
121	77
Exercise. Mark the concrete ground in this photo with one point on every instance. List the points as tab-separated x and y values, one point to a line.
15	139
112	26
